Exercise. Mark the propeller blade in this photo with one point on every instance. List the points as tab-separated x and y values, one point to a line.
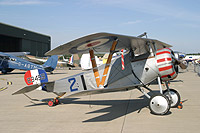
180	63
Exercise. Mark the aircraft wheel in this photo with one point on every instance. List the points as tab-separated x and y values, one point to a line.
4	71
159	105
174	97
56	102
51	103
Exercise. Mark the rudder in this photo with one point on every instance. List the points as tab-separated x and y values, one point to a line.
51	63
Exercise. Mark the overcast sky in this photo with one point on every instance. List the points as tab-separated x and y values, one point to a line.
176	22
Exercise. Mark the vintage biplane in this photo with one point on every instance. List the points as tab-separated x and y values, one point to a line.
144	61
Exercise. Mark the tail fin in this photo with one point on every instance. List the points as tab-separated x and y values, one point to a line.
71	60
37	76
51	63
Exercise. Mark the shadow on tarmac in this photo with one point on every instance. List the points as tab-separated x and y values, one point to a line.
115	109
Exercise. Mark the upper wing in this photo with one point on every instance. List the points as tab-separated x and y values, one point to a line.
18	53
3	54
102	42
13	53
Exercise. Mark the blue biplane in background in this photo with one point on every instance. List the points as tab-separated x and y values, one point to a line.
9	62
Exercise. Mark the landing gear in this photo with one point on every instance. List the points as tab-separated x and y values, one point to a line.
173	96
56	101
4	71
53	102
159	104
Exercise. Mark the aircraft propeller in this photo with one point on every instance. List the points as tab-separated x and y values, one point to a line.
178	62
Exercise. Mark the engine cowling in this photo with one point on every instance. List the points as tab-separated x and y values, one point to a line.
167	69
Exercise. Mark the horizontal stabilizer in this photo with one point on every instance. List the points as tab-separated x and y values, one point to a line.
48	86
27	89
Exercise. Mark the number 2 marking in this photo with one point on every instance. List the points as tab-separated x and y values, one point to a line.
72	84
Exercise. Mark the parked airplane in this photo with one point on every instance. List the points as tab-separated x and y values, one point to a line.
9	62
69	63
190	58
179	55
86	63
44	59
145	60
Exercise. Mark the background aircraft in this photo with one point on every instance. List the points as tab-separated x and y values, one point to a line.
145	60
179	55
68	63
190	58
9	62
86	63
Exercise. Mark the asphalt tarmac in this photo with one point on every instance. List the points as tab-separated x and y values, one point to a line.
117	112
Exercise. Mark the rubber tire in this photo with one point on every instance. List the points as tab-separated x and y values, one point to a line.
56	102
51	103
178	95
156	113
4	71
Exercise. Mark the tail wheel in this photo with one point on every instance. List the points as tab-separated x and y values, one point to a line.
159	104
173	96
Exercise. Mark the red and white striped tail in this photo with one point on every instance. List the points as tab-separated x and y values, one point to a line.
165	64
71	60
122	59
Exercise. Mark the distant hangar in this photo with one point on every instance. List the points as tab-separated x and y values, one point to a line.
14	39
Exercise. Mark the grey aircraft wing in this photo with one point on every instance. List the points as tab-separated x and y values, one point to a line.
102	42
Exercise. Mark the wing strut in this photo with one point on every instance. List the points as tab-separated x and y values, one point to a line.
112	50
94	66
